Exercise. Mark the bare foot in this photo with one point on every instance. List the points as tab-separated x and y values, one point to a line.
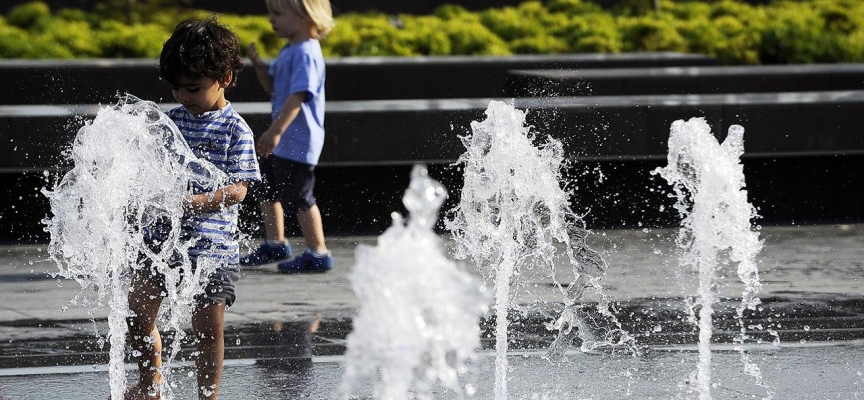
142	393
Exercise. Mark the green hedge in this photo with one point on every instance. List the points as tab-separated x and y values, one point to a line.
784	31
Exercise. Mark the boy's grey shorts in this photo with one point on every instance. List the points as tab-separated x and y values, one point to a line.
221	284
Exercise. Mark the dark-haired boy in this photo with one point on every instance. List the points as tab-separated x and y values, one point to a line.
200	60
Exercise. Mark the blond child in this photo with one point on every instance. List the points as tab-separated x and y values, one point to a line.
290	147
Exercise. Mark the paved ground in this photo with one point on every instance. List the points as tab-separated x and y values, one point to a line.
811	276
822	261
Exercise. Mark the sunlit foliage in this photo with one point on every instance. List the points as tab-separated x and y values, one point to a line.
783	31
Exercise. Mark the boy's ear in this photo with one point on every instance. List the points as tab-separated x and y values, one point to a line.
226	80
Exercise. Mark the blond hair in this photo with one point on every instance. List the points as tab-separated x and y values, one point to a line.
318	11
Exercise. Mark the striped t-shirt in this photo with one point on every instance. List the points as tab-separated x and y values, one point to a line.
225	139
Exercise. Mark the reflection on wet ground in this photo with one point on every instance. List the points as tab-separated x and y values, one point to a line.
794	372
661	322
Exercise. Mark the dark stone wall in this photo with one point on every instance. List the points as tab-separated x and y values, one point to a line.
349	78
803	160
360	200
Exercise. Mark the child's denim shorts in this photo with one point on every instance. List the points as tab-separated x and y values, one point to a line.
285	181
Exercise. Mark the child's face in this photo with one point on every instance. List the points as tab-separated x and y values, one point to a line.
288	24
201	95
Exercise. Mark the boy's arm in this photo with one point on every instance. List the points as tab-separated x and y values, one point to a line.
261	69
222	197
271	137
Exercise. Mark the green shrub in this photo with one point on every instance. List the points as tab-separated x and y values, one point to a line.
452	11
76	36
592	33
784	31
854	48
838	20
572	7
687	11
794	34
510	23
474	38
254	29
702	35
27	15
429	37
652	34
341	40
169	18
75	15
369	35
635	7
142	11
13	39
118	40
18	43
741	45
734	9
540	44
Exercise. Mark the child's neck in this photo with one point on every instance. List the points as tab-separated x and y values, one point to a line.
302	36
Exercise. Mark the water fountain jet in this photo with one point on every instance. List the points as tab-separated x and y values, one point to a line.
417	322
707	179
511	215
131	170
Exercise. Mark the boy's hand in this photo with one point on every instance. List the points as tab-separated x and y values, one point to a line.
252	51
267	142
260	67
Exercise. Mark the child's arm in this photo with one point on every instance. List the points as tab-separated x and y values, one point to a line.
222	197
271	137
261	69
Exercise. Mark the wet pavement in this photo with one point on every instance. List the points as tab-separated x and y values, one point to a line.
812	295
793	373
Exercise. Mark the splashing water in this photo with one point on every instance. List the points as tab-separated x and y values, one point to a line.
511	215
132	169
417	322
708	181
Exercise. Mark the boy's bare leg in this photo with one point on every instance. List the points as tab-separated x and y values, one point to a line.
274	221
313	228
144	300
208	322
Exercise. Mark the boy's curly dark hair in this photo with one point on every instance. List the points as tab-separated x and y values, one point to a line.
198	49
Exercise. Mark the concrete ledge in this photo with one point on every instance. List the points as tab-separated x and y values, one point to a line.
684	80
400	132
361	78
469	76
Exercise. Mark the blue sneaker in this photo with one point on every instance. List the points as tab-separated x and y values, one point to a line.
307	262
267	253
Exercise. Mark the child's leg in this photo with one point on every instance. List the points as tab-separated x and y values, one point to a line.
208	322
313	228
274	221
144	300
271	209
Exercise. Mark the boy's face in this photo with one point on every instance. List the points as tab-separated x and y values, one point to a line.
201	95
287	24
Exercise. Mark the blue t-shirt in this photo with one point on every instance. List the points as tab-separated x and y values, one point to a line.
300	69
225	139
